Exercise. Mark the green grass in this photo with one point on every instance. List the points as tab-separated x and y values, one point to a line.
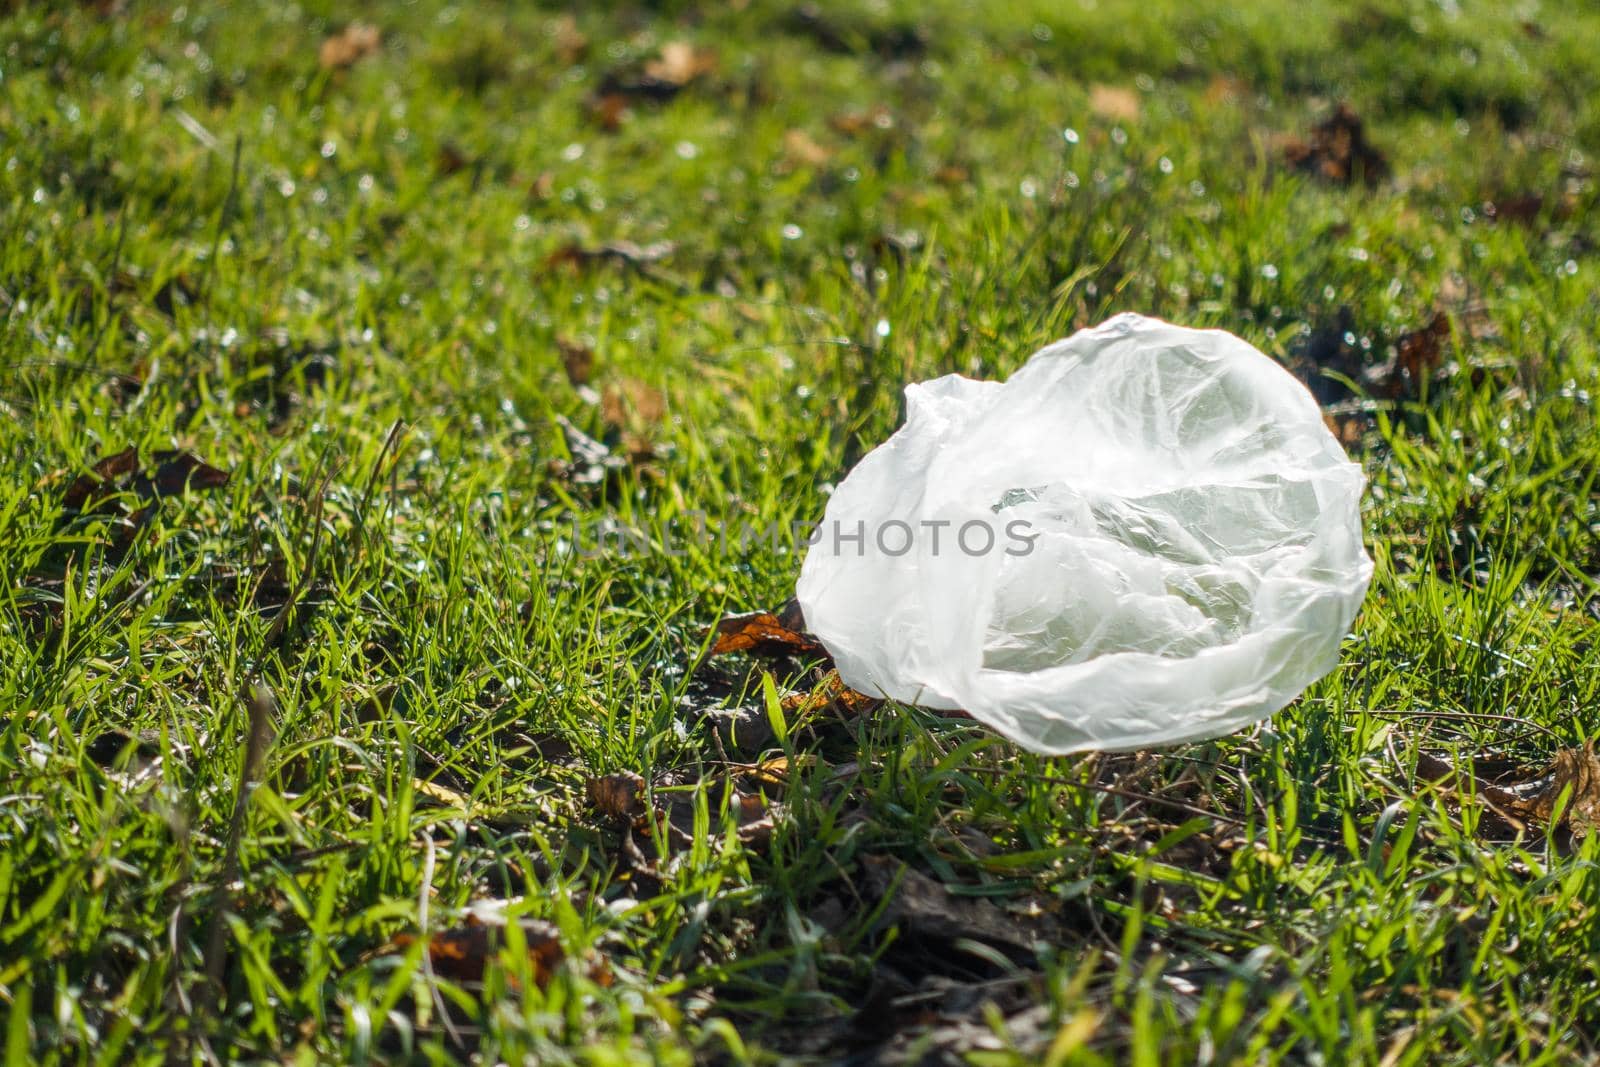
348	288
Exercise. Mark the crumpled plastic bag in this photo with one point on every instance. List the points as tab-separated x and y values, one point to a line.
1146	535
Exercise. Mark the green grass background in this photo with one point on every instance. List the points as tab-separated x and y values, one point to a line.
209	241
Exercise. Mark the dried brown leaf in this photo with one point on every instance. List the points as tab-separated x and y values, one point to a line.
1114	102
101	478
450	159
632	405
1225	89
1420	352
1577	770
610	111
764	633
1523	209
577	358
830	693
1348	430
1517	806
927	912
803	150
349	46
174	473
571	42
619	797
177	473
680	63
1338	151
462	953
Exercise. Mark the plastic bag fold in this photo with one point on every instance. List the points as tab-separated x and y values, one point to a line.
1146	535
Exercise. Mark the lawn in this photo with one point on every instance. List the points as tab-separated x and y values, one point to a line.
392	401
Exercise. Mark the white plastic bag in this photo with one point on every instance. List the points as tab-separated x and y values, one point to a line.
1146	535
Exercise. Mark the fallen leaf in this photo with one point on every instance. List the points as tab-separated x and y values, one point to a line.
577	358
1338	151
1516	805
632	412
450	159
175	473
771	772
632	405
618	797
1420	352
757	818
1114	102
442	795
462	953
801	149
610	111
831	692
1524	209
743	728
1225	89
100	479
570	42
764	633
925	911
1574	769
349	46
1348	430
680	63
1331	356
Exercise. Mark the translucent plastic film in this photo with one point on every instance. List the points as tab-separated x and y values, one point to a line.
1146	535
